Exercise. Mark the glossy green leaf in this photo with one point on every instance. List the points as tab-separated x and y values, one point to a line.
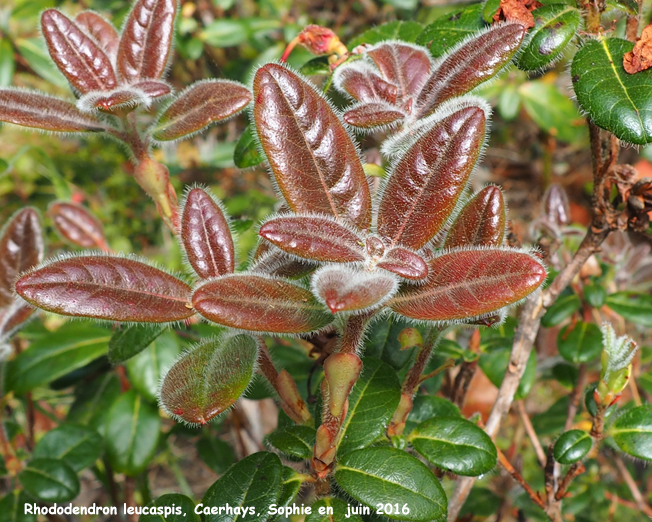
93	401
209	378
316	66
131	340
426	407
489	9
632	431
629	6
216	454
296	441
406	31
381	341
580	344
565	306
451	28
172	502
254	483
572	446
72	346
494	365
146	369
455	444
12	507
553	112
555	25
615	100
372	403
49	480
595	295
633	306
77	446
339	514
378	475
291	482
246	150
132	432
7	63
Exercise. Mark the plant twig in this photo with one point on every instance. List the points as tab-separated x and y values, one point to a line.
641	504
536	498
529	429
575	470
466	373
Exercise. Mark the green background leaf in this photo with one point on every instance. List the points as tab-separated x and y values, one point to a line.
581	344
572	446
633	306
146	369
398	30
632	431
131	340
77	446
451	28
50	480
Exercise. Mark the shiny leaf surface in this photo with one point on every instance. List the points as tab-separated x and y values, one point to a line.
469	283
104	287
131	340
360	82
44	112
633	306
480	222
345	289
259	303
615	100
555	25
77	55
572	446
200	105
21	248
580	343
374	475
49	480
132	432
370	115
246	152
316	238
405	66
209	378
468	66
455	444
314	161
146	40
77	225
427	181
295	441
206	235
632	431
101	31
405	263
77	446
451	28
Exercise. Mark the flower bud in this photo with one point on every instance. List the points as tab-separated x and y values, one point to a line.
341	371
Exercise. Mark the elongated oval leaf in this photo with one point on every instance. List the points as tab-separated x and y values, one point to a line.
564	307
344	289
295	441
572	446
132	431
469	283
153	88
580	343
375	475
49	480
340	511
406	66
372	402
101	31
480	222
359	81
13	317
615	100
254	484
427	181
317	238
200	105
21	248
209	378
374	114
260	303
77	55
632	431
405	263
455	444
470	64
77	446
554	26
147	369
77	225
107	287
44	112
72	346
633	306
146	40
206	235
131	340
314	161
108	101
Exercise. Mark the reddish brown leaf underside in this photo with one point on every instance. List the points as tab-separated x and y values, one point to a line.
76	54
316	238
261	304
403	65
370	115
104	287
21	248
481	222
206	236
468	283
365	85
77	225
101	31
427	181
405	263
314	161
200	105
